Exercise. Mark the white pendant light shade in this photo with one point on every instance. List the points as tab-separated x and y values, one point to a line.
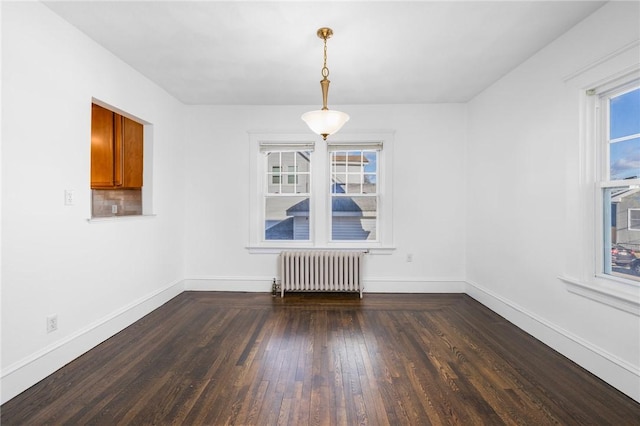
325	122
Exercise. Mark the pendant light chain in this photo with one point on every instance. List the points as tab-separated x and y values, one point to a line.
325	70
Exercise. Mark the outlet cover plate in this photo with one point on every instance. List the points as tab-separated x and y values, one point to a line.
52	323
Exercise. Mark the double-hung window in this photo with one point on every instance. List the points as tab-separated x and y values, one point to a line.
286	184
320	194
619	183
353	181
603	182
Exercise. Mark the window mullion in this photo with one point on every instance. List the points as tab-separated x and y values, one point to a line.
280	166
321	205
625	138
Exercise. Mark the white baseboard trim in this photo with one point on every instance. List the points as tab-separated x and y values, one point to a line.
617	372
413	285
371	285
242	284
28	371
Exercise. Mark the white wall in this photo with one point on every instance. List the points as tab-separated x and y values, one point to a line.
97	277
523	178
483	185
428	201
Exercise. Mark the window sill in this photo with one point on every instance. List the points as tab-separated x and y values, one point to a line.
108	219
277	249
618	293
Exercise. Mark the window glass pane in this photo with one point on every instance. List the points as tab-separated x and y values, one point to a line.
303	183
625	114
370	179
291	175
339	161
288	159
303	161
624	159
286	188
286	218
634	219
371	161
275	175
354	218
369	186
354	184
622	250
273	160
338	183
273	172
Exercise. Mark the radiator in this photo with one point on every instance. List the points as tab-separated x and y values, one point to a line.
321	271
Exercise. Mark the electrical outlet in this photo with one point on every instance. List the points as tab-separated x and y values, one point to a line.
114	208
409	257
52	323
69	197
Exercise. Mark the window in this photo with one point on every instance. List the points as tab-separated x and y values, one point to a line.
286	201
354	195
600	180
634	220
619	187
321	194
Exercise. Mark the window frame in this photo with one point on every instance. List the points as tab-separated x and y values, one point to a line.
362	147
586	278
266	174
320	194
603	95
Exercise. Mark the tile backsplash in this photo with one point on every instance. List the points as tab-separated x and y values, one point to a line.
127	202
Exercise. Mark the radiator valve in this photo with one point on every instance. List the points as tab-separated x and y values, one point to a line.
274	288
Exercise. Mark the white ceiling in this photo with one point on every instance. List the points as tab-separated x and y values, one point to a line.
267	53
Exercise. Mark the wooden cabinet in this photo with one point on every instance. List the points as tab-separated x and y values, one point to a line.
116	150
102	147
132	149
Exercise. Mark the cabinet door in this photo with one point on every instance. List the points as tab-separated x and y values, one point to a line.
102	147
132	153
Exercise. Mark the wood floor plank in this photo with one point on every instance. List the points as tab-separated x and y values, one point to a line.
321	359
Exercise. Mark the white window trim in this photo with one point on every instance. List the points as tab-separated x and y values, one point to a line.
260	143
617	69
319	229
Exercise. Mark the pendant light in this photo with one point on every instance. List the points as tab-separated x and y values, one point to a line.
325	122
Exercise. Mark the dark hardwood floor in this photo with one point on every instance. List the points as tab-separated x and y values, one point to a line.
250	359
